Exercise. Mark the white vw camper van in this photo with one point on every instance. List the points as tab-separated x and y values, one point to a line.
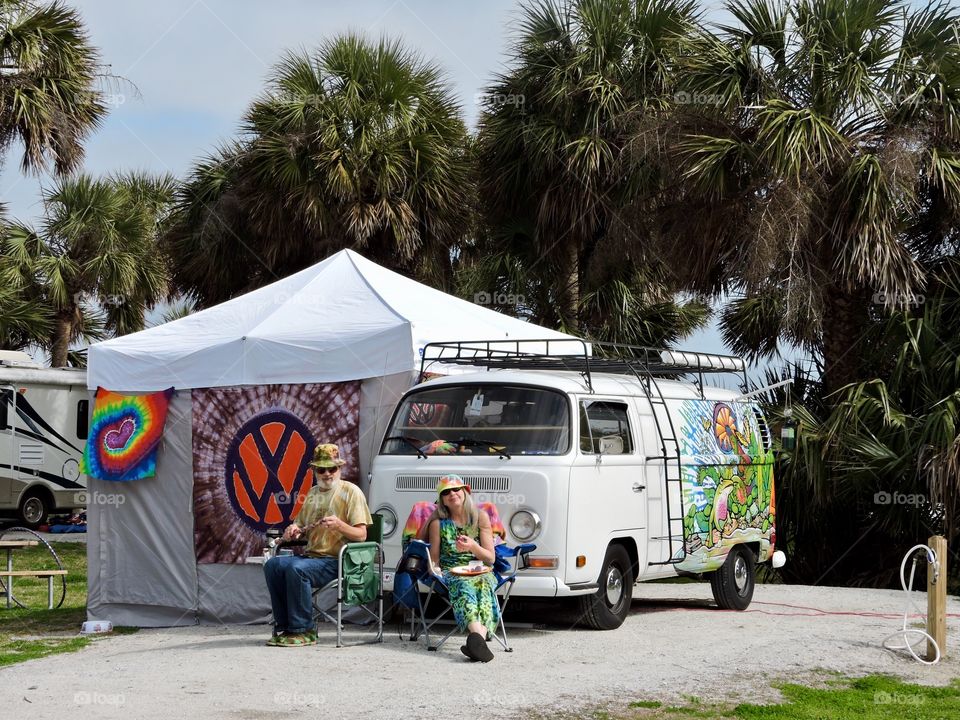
44	415
620	463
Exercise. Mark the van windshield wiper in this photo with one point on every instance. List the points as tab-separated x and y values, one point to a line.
473	442
408	441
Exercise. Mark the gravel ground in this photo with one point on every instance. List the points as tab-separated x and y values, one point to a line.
674	643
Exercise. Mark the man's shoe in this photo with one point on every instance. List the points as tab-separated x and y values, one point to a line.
297	640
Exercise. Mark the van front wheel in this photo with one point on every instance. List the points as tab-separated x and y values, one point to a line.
608	607
733	582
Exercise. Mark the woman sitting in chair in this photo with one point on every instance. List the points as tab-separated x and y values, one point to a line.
459	535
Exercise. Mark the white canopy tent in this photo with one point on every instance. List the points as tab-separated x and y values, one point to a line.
343	319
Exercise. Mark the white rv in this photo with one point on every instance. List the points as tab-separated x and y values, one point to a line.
621	468
44	416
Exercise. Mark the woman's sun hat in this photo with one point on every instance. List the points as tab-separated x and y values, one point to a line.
450	482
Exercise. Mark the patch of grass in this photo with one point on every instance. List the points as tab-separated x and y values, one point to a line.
14	651
34	631
876	697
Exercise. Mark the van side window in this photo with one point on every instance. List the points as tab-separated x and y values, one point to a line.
601	419
83	420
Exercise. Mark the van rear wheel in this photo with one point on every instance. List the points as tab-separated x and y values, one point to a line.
734	581
608	607
34	509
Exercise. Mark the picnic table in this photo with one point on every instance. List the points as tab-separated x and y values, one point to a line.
9	574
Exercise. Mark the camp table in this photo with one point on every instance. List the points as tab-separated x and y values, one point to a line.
10	546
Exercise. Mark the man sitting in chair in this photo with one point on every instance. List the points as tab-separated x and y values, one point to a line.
335	512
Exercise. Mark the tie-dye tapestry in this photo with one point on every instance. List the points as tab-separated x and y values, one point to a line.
251	449
125	431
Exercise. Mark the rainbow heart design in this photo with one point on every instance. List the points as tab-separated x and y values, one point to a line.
125	432
116	440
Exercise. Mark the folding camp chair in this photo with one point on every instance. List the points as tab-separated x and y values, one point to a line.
416	564
359	583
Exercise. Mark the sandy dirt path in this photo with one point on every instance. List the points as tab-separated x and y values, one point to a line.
674	643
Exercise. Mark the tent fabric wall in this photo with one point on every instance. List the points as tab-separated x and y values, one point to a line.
141	564
378	397
343	319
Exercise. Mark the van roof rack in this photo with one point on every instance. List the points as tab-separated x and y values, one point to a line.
584	357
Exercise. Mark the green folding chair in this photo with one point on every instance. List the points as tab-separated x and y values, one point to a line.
359	583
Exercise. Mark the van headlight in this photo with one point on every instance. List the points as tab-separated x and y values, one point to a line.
389	520
525	525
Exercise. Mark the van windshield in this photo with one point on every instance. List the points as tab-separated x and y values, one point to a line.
480	419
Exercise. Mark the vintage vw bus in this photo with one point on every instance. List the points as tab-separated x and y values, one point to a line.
620	463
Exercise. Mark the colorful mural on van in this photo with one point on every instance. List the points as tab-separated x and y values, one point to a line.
727	470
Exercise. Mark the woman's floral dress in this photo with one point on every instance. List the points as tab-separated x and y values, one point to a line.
473	598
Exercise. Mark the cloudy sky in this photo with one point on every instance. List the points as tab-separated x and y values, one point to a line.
197	64
193	66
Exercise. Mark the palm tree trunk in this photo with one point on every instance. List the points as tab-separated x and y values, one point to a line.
844	323
60	346
570	296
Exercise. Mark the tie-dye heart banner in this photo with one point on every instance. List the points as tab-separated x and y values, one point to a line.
125	431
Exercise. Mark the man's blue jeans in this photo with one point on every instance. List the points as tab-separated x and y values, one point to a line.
290	580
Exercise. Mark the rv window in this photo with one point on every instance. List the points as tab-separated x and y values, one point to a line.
480	419
5	396
602	419
83	420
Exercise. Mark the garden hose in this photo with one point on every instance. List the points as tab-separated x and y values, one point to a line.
905	632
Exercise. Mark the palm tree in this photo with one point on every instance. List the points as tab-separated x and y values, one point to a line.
359	144
877	462
48	77
554	171
820	168
95	262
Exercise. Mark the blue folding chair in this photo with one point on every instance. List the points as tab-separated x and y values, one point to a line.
507	563
416	563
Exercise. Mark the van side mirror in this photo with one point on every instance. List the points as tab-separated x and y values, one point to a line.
611	445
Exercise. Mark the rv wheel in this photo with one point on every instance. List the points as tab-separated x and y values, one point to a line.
608	607
34	509
733	583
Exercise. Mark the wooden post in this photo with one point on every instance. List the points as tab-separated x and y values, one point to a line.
937	598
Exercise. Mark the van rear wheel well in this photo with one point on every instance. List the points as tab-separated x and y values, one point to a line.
630	545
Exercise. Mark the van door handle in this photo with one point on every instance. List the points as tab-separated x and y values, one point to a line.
637	487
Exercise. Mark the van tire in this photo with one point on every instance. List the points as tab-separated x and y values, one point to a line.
734	581
607	608
34	509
